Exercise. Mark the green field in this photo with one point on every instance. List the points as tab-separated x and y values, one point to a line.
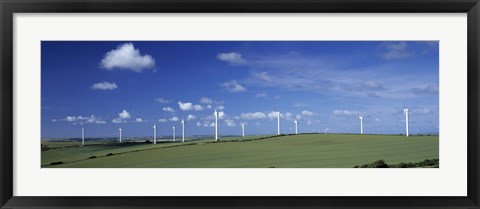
292	151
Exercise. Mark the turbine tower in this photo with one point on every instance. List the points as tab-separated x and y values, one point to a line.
278	123
173	133
120	132
154	134
243	129
405	111
216	125
361	124
296	126
183	130
83	136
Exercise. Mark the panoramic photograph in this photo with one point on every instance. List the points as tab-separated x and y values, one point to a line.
239	104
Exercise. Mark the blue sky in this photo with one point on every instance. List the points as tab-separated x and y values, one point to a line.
325	85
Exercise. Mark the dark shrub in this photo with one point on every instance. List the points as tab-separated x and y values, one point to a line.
148	141
56	163
379	164
376	164
109	154
91	157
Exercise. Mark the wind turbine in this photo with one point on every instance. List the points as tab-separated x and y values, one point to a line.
154	134
361	124
243	129
296	126
278	123
173	133
405	111
120	131
83	136
216	125
183	130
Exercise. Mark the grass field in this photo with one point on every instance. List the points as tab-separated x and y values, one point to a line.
293	151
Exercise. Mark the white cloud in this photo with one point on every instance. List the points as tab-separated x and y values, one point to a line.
265	96
174	118
233	86
104	86
83	119
230	123
427	90
185	106
197	107
54	120
372	85
289	116
206	100
168	109
261	95
189	106
307	113
206	124
395	50
346	112
122	116
220	107
273	114
162	120
221	115
118	120
253	115
363	86
70	118
232	58
139	120
420	110
126	57
299	104
162	100
208	106
298	117
191	117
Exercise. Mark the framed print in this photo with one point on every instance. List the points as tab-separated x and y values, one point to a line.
238	104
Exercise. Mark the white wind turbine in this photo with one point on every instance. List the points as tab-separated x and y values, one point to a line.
154	134
296	126
361	124
278	123
173	133
83	136
216	125
243	129
183	130
120	132
405	111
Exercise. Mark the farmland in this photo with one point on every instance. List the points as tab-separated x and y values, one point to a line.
285	151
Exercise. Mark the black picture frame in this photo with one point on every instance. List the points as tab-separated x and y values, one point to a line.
9	7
